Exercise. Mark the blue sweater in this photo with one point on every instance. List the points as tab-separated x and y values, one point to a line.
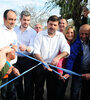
74	61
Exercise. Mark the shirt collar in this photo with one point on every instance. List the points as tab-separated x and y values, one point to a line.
4	27
87	43
26	28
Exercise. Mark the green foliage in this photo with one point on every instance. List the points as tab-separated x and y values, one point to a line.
70	9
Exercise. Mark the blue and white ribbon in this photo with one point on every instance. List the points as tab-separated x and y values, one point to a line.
65	70
19	76
46	65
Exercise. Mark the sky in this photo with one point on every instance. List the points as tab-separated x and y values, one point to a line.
18	4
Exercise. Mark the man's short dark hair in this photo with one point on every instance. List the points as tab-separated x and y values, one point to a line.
62	18
6	11
53	18
25	13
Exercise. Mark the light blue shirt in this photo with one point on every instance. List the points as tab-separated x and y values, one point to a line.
25	38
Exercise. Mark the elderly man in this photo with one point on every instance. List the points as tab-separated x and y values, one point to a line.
38	28
85	35
83	67
46	48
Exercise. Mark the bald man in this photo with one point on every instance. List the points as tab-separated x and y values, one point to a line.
62	24
84	36
38	28
84	68
84	32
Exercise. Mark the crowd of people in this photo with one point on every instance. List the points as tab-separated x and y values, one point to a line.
59	45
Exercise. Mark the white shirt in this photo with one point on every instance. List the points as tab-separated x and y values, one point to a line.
25	38
48	47
7	37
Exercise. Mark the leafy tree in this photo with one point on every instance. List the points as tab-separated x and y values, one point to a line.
69	9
